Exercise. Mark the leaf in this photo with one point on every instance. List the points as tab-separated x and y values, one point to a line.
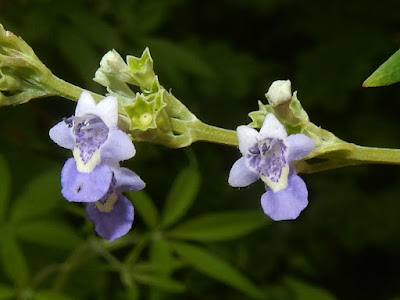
49	295
214	267
305	291
40	197
13	260
7	292
145	207
167	284
48	233
219	226
5	183
181	196
387	73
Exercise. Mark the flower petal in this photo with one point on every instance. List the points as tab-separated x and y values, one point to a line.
114	224
62	135
299	146
247	138
240	174
84	187
118	146
272	128
127	180
86	104
288	203
107	110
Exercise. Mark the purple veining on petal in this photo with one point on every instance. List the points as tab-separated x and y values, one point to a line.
268	158
90	133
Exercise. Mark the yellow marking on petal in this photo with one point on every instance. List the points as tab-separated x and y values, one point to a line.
89	165
108	205
282	182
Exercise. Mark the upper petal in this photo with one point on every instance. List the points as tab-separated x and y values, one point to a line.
85	105
247	137
62	135
114	224
107	110
288	203
272	128
299	146
84	187
127	180
118	146
240	174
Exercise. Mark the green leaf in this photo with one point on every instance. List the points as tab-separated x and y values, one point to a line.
40	197
305	291
161	257
181	196
49	295
13	260
214	267
48	233
5	183
387	73
145	207
164	283
219	226
7	292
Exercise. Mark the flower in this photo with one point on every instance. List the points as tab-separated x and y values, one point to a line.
93	134
110	211
268	155
113	214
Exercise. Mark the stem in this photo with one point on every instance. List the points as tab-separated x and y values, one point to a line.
67	90
374	155
213	134
199	131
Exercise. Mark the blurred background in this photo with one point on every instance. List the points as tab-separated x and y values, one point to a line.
219	58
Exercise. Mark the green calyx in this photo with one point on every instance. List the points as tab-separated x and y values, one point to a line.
22	74
145	111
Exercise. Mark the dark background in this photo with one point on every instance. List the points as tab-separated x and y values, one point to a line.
219	58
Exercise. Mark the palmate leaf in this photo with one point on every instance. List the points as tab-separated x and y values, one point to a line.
181	196
48	233
213	266
13	260
305	291
145	207
49	295
7	292
219	226
161	282
4	187
387	73
40	197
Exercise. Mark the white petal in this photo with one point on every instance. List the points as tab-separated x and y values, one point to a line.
86	104
272	128
107	110
247	138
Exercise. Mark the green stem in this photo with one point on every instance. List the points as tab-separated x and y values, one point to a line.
65	89
373	155
199	131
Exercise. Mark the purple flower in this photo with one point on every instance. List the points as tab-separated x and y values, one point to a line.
267	155
113	214
93	134
110	211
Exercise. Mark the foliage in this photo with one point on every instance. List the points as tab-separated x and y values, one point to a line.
213	56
